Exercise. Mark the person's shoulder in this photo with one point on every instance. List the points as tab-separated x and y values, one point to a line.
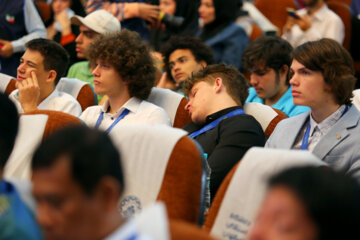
76	66
296	110
234	30
66	98
144	104
92	109
90	113
241	122
294	120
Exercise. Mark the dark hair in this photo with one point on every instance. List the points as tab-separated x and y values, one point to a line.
188	9
90	152
331	199
75	5
130	56
200	51
226	12
55	56
334	62
9	121
236	84
268	51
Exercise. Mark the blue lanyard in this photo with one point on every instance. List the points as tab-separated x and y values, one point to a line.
305	141
215	123
122	115
133	237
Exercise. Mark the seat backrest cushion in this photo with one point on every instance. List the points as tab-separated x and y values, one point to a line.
181	187
267	116
145	152
248	187
7	83
173	103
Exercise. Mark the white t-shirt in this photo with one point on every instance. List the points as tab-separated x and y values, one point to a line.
324	24
57	101
140	112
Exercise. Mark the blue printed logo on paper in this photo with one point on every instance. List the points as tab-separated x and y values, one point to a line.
130	206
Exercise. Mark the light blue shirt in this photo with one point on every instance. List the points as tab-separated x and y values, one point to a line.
284	104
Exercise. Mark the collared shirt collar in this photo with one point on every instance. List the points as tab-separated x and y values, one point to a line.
132	105
220	113
327	124
321	13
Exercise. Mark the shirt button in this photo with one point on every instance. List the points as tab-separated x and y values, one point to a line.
112	118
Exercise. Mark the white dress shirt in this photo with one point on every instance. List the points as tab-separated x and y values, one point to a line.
324	24
140	112
57	101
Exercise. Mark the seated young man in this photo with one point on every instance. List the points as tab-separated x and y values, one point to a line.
94	24
216	97
182	56
125	73
323	79
77	187
268	60
16	219
41	67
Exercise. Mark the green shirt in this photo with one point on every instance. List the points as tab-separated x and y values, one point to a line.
81	71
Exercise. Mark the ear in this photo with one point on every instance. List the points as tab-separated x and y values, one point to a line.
108	192
51	76
203	64
218	85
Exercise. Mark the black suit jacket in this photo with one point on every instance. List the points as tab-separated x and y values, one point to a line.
227	142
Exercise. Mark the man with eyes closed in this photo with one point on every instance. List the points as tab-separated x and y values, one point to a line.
124	71
323	79
217	95
268	60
